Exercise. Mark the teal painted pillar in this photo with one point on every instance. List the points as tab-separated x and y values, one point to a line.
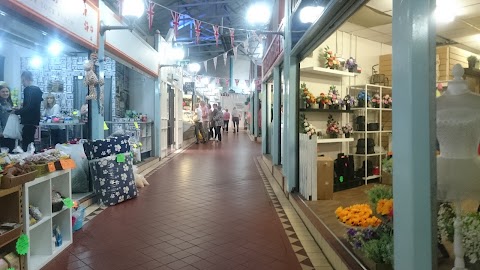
291	73
98	119
276	129
252	106
265	116
157	120
414	131
230	83
256	107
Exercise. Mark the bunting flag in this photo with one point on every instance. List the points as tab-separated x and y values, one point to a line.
197	29
176	19
215	62
225	56
120	7
237	81
232	36
247	82
235	49
205	64
257	82
227	82
217	81
150	14
246	45
216	33
256	36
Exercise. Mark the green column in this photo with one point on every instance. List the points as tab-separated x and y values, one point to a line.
277	97
414	134
264	96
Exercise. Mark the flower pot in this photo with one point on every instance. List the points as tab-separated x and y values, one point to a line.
315	106
333	136
361	103
347	135
347	107
471	64
335	107
383	266
386	106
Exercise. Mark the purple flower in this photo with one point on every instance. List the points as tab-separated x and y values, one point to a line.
358	244
351	232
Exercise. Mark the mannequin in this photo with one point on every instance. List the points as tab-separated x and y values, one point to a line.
458	165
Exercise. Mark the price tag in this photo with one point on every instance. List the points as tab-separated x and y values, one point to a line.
120	158
136	125
51	167
67	164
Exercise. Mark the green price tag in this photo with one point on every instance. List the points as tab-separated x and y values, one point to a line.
121	158
22	244
68	202
11	268
105	127
341	179
136	125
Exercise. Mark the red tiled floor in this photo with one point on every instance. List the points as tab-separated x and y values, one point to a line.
207	208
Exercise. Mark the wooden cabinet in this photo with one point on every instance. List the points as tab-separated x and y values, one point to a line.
11	208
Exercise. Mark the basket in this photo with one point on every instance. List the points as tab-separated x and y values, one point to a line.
13	181
42	169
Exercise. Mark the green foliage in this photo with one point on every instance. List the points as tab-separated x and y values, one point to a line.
379	192
445	218
387	165
380	250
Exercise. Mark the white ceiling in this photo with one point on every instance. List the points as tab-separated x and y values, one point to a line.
373	22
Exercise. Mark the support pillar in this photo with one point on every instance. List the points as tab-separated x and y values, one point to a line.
414	131
157	119
97	119
256	106
276	129
264	96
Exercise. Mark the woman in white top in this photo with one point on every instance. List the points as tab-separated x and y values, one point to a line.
57	133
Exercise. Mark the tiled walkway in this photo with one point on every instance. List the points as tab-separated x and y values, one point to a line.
207	208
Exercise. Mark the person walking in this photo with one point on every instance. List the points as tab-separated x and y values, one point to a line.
205	118
6	107
211	123
199	131
235	119
226	120
30	112
218	118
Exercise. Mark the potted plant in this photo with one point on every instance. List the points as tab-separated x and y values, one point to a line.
347	129
306	127
348	101
333	95
363	99
387	169
331	61
376	101
472	60
387	101
333	127
351	65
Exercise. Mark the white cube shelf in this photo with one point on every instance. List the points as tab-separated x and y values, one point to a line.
39	193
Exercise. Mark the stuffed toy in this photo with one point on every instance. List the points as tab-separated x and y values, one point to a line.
91	79
140	180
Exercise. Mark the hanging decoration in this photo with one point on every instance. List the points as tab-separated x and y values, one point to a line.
256	36
237	81
199	78
176	19
246	44
150	14
227	82
232	36
235	50
198	30
23	244
216	33
205	64
225	56
91	79
215	62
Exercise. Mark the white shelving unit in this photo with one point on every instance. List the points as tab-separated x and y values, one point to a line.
39	193
144	133
335	140
327	72
372	115
146	136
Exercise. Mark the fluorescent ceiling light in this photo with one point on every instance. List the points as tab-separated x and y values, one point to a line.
446	11
194	67
205	80
134	8
259	13
310	14
55	48
36	62
178	53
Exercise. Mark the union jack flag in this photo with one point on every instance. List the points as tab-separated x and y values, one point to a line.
216	33
176	19
197	29
150	14
232	36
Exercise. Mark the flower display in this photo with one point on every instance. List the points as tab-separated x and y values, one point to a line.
376	100
357	215
385	207
306	127
387	101
348	100
331	60
333	95
347	128
363	96
306	95
351	64
333	127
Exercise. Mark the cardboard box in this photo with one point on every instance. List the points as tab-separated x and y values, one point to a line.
324	178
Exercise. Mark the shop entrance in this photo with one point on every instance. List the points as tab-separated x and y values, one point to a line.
171	115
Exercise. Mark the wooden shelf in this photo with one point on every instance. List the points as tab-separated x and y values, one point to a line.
327	72
10	236
326	110
335	140
371	131
5	192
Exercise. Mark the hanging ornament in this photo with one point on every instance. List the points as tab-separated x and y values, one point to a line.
235	50
176	19
91	79
237	81
150	14
225	56
255	35
216	33
205	64
232	36
198	30
199	78
215	62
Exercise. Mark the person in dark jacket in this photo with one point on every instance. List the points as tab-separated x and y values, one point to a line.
30	112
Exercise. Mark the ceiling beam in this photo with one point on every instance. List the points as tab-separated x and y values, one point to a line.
205	3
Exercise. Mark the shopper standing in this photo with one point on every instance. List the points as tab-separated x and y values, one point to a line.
218	118
235	119
226	120
6	106
30	112
52	109
198	125
204	118
211	123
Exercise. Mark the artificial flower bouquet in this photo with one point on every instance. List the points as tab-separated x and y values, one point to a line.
387	101
306	95
357	215
351	64
333	127
363	98
348	101
331	60
376	100
306	127
347	129
333	95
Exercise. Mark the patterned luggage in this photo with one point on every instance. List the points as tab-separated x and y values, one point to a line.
113	179
107	147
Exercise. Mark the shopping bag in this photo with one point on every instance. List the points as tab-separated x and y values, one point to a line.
199	135
13	128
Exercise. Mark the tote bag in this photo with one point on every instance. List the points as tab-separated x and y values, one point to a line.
13	128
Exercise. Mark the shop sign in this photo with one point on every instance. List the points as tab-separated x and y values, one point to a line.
274	51
78	18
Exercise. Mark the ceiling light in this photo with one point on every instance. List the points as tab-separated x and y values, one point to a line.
178	53
134	8
446	11
205	80
55	48
259	13
194	67
36	62
310	14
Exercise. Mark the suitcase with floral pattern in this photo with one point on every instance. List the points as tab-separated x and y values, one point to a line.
107	147
113	179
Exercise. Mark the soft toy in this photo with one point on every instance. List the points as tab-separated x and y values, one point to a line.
140	180
91	79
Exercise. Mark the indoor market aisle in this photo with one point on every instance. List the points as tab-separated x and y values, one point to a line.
207	208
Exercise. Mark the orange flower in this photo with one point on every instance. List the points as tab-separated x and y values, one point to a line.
357	215
384	206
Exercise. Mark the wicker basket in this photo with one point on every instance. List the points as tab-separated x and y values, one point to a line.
12	181
42	169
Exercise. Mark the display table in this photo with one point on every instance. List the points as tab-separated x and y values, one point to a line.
67	126
39	193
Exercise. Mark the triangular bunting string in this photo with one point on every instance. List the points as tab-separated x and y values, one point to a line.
235	50
176	18
217	81
232	36
120	7
216	33
215	63
205	64
237	81
247	82
150	14
197	30
225	56
227	82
